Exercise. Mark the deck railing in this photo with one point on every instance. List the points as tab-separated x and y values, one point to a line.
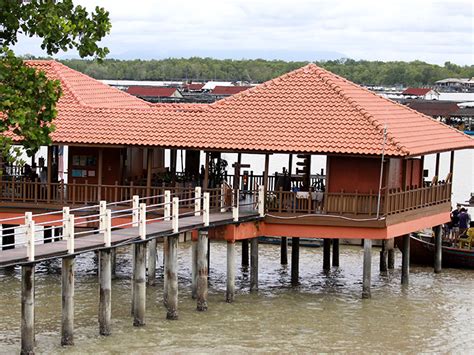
36	192
392	201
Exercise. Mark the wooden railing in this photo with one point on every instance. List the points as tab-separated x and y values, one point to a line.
402	201
17	191
392	201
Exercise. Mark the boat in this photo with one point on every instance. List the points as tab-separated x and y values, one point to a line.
422	252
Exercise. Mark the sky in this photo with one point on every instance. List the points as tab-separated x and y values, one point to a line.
432	31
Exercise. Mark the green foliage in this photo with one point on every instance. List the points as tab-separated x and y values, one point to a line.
258	70
27	98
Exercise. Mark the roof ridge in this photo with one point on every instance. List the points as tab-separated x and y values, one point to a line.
367	115
55	65
258	87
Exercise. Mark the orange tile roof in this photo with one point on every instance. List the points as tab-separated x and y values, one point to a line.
307	110
416	91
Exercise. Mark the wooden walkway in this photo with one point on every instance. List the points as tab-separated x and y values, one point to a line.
120	237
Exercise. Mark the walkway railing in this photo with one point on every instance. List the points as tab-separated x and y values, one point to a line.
102	218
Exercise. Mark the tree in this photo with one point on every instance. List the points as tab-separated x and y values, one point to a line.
27	98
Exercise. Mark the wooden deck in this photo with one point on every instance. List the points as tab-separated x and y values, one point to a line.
120	237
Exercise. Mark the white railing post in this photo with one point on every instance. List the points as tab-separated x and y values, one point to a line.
205	212
135	210
108	229
142	221
261	201
235	206
222	198
167	205
102	210
197	201
70	234
65	223
30	236
175	214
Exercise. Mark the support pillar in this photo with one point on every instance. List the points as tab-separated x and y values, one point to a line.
27	309
295	261
335	252
254	264
390	253
230	292
245	253
202	271
67	300
367	269
113	255
172	278
284	251
105	292
405	259
152	256
384	257
194	257
438	249
165	271
326	254
139	286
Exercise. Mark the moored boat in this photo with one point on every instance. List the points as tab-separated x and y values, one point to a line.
422	252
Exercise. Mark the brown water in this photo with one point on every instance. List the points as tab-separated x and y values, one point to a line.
325	313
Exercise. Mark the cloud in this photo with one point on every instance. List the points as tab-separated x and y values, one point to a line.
434	31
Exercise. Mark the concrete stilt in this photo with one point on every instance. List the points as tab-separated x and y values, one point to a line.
165	270
335	252
132	309
254	264
295	261
172	278
230	292
67	300
284	251
105	292
438	249
245	253
202	271
326	254
208	256
405	259
391	253
384	257
113	255
139	285
367	269
152	256
27	309
194	251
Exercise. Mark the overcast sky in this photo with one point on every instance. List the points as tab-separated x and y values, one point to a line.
432	31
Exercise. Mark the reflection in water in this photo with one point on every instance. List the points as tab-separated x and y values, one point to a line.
324	313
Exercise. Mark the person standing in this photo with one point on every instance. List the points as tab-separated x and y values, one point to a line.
455	222
464	219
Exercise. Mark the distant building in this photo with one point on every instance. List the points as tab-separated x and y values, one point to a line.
421	93
456	84
224	91
193	87
151	93
210	85
437	109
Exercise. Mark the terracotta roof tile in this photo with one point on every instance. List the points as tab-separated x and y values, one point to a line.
416	91
308	110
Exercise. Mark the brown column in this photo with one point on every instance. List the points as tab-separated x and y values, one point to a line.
100	169
451	163
265	173
205	184
149	168
437	165
49	171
